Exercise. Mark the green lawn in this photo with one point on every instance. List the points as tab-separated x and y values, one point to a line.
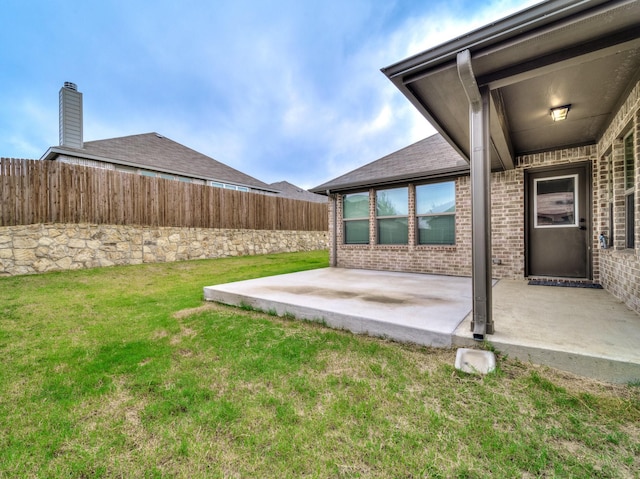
124	372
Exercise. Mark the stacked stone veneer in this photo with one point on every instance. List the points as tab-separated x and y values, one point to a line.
52	247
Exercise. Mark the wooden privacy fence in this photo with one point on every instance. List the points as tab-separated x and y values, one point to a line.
34	192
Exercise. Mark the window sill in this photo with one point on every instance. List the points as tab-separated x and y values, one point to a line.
446	247
401	247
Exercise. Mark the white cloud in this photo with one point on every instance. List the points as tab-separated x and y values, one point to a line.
288	92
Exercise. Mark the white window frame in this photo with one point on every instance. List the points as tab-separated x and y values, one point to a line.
576	206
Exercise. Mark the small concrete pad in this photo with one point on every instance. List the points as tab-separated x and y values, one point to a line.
419	308
475	361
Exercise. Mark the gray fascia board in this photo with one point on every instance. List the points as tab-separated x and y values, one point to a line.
516	24
53	152
393	180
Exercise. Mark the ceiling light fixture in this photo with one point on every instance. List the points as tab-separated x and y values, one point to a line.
560	113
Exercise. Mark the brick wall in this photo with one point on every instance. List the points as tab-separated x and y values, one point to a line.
435	259
619	266
507	225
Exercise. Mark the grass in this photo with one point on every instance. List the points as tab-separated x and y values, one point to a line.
124	372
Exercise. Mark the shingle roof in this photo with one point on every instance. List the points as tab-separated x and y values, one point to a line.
429	158
289	190
156	152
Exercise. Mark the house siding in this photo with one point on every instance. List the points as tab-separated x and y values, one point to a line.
617	268
440	259
620	266
507	225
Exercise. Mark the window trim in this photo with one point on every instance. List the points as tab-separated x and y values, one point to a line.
576	205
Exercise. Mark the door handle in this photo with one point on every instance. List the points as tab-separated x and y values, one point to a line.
582	227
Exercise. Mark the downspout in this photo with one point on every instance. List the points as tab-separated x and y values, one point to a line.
334	237
482	322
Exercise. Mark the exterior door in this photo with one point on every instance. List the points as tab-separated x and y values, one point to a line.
559	222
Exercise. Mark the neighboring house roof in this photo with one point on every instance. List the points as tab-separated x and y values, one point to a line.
156	152
432	157
292	191
561	52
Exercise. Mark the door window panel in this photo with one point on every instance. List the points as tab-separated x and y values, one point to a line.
555	202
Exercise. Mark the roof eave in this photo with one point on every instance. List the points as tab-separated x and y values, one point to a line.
510	30
393	180
53	152
516	24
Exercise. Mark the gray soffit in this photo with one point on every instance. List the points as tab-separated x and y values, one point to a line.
155	152
430	158
583	53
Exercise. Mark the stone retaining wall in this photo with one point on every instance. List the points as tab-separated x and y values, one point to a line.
53	247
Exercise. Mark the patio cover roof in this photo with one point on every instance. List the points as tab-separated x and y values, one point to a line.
583	53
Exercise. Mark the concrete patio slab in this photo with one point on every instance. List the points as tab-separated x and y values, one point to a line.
584	331
418	308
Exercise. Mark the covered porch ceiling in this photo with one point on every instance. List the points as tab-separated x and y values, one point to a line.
563	52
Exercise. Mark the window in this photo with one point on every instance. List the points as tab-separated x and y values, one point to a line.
629	190
355	215
555	202
227	186
609	162
392	212
126	169
436	213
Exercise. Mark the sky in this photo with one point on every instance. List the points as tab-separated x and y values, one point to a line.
280	90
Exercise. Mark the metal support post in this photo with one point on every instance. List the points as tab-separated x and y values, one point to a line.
482	322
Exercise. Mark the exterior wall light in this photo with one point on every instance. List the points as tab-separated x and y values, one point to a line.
560	113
